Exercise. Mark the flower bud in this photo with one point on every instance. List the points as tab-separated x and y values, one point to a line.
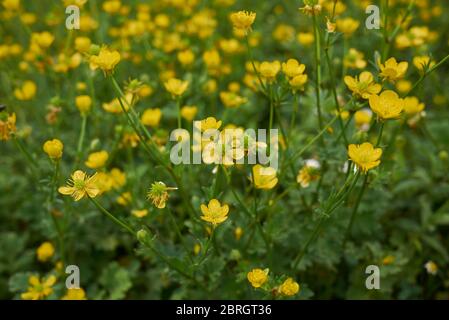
53	148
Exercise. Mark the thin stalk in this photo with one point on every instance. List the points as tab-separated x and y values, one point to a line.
112	217
318	70
79	149
25	152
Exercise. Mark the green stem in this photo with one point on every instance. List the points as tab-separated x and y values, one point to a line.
112	217
334	92
311	142
178	105
25	152
79	150
339	199
318	70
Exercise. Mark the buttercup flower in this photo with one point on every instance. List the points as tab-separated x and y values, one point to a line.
363	118
354	59
151	117
208	123
83	103
189	112
423	62
74	294
289	287
412	105
81	185
257	277
308	173
45	251
347	26
431	267
214	212
243	20
231	99
106	60
264	177
140	213
176	87
238	232
7	125
97	160
39	290
11	4
363	86
387	106
392	70
158	194
365	156
26	92
269	70
53	148
293	68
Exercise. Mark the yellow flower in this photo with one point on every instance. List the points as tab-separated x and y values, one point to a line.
403	86
115	107
257	277
392	70
431	267
124	199
388	260
7	125
26	92
208	123
158	194
243	20
298	82
354	59
423	62
45	251
97	160
189	112
83	103
347	26
387	106
53	148
412	105
289	287
311	8
186	57
362	119
231	99
106	60
363	86
11	5
365	156
42	39
112	6
305	38
151	117
37	289
74	294
238	232
139	213
196	249
81	185
176	87
82	44
264	177
293	68
214	212
308	173
118	178
269	70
